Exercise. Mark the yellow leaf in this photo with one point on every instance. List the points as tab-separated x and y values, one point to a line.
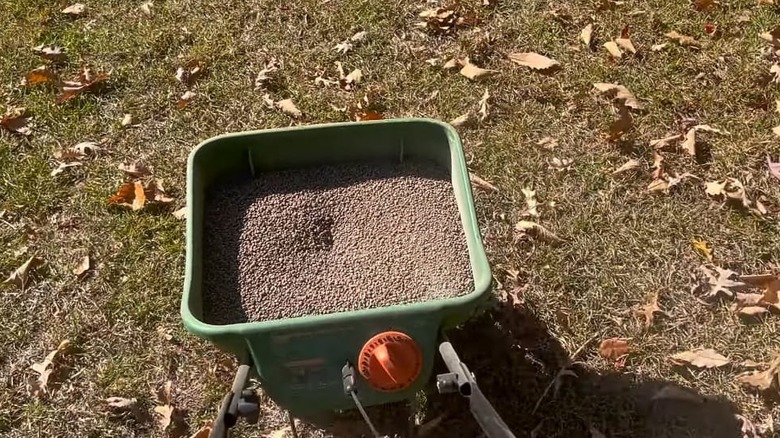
534	61
703	248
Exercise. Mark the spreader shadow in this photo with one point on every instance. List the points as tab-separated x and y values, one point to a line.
515	358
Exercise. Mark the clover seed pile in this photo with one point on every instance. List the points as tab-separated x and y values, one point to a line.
331	239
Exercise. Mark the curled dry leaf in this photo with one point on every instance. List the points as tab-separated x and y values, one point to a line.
537	231
631	164
135	169
665	182
62	166
16	120
20	276
50	52
703	248
772	36
618	93
358	36
476	73
442	20
86	81
167	415
136	195
586	34
689	144
288	107
662	143
613	49
452	64
715	282
531	203
649	310
700	358
78	152
534	61
731	190
621	125
481	183
767	381
613	348
75	9
681	39
39	386
463	120
84	266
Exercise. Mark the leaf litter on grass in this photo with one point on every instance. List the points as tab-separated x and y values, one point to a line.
700	358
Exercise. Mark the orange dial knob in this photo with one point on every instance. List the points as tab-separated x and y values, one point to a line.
390	361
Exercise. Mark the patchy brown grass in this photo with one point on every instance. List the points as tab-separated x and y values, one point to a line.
620	243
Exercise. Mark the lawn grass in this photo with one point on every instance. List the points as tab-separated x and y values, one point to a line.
620	243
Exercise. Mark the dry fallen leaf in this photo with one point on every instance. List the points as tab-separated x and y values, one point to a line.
78	152
650	309
538	231
190	72
682	40
716	282
534	61
135	169
130	195
267	73
288	107
50	53
703	248
731	190
180	213
613	348
767	381
463	120
618	93
658	47
41	75
146	7
621	125
21	274
613	49
84	266
703	5
185	99
689	144
15	120
700	358
481	183
475	73
586	34
75	9
452	64
662	143
626	44
127	120
39	386
121	403
483	107
86	81
443	20
62	166
532	204
547	143
631	164
773	36
167	414
773	166
203	432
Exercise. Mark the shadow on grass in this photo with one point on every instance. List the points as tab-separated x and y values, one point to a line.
514	359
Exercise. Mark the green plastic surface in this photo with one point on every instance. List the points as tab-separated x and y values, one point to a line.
299	360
